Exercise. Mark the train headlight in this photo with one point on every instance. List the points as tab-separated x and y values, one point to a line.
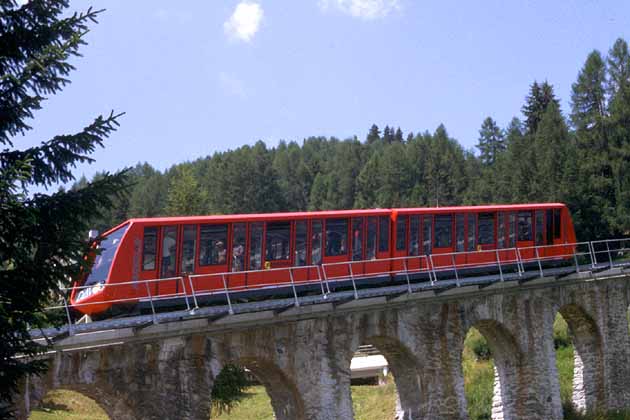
89	291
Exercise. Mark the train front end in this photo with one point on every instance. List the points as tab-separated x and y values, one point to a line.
93	294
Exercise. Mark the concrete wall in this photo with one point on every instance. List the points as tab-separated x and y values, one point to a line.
305	364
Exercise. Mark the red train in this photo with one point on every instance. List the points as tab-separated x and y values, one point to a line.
153	259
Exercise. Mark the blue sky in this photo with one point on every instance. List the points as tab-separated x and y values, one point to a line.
203	76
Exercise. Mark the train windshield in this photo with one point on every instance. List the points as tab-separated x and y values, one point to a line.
103	261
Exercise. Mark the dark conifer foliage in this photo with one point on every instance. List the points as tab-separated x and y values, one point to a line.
42	236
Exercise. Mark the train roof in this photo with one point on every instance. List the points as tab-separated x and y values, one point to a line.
337	213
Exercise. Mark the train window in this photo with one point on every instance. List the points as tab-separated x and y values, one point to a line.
556	223
212	245
401	233
427	229
443	231
459	232
472	231
316	242
383	234
189	247
540	233
238	246
513	229
370	249
357	239
414	233
255	245
169	251
486	229
103	261
149	248
277	241
501	230
301	234
524	225
336	237
549	226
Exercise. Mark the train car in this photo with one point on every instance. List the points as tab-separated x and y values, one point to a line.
144	261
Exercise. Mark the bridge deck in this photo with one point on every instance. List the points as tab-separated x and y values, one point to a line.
336	298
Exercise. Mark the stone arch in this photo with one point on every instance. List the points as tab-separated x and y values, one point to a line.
405	369
588	365
286	401
36	388
508	378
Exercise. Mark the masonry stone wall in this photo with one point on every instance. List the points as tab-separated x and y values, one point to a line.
305	364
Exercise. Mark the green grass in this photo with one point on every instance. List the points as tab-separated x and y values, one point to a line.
67	405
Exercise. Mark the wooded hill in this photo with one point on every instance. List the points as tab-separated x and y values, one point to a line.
582	159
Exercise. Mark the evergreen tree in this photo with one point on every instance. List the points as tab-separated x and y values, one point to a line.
42	236
398	136
491	142
185	196
619	129
374	136
536	103
388	135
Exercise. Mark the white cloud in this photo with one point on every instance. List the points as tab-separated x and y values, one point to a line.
231	85
364	9
244	22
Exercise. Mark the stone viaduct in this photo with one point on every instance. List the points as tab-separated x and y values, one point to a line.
303	355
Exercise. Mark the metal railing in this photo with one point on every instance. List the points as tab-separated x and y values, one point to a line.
434	268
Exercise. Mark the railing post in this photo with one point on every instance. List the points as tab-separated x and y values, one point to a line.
227	295
185	294
609	254
297	302
325	277
151	302
591	248
455	269
577	265
434	280
354	286
499	265
407	276
519	263
70	326
539	263
192	289
321	282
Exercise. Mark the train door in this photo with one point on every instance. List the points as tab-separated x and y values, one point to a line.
255	257
503	242
149	268
277	252
316	242
168	261
414	246
189	239
460	239
300	253
213	257
486	237
400	242
237	279
358	245
335	247
443	240
525	233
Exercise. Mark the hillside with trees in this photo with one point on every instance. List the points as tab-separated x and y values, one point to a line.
580	157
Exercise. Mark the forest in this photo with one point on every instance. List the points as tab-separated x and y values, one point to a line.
580	157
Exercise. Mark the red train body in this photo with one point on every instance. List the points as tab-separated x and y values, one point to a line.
207	254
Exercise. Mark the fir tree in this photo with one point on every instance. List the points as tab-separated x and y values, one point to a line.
374	136
491	142
536	103
42	236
